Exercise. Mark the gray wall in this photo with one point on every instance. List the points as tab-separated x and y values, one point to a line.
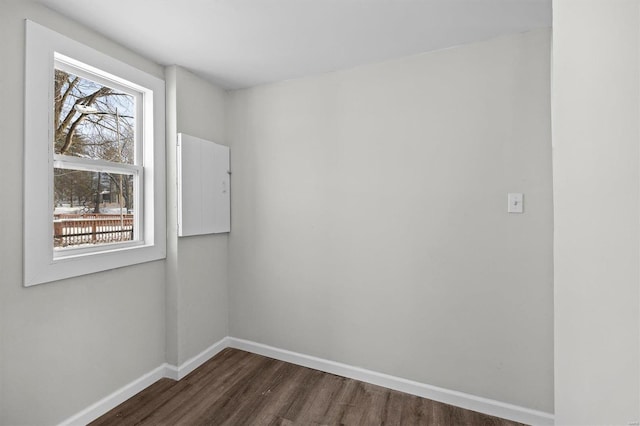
67	344
369	228
596	182
196	266
370	223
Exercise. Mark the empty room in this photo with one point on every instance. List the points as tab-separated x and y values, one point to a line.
297	212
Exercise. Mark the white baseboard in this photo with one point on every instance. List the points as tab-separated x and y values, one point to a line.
107	403
191	364
459	399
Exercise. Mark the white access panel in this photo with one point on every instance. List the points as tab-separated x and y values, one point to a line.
204	187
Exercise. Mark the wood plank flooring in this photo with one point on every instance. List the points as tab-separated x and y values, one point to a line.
241	388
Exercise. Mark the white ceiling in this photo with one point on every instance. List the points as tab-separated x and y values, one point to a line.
243	43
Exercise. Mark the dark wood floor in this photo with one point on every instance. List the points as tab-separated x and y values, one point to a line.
240	388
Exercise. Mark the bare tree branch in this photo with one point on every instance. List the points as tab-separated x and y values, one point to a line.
61	79
87	100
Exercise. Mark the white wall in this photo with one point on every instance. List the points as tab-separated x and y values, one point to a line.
65	345
596	182
196	266
370	224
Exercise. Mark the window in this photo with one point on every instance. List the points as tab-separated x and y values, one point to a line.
97	161
94	161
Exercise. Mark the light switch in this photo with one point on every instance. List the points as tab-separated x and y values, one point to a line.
516	203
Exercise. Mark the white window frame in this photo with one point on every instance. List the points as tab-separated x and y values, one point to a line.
69	162
42	264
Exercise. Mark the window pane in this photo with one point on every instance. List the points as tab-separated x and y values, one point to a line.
92	208
92	120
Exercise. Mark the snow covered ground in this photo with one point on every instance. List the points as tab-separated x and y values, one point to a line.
81	210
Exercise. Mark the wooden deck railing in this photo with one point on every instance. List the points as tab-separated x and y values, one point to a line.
76	229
